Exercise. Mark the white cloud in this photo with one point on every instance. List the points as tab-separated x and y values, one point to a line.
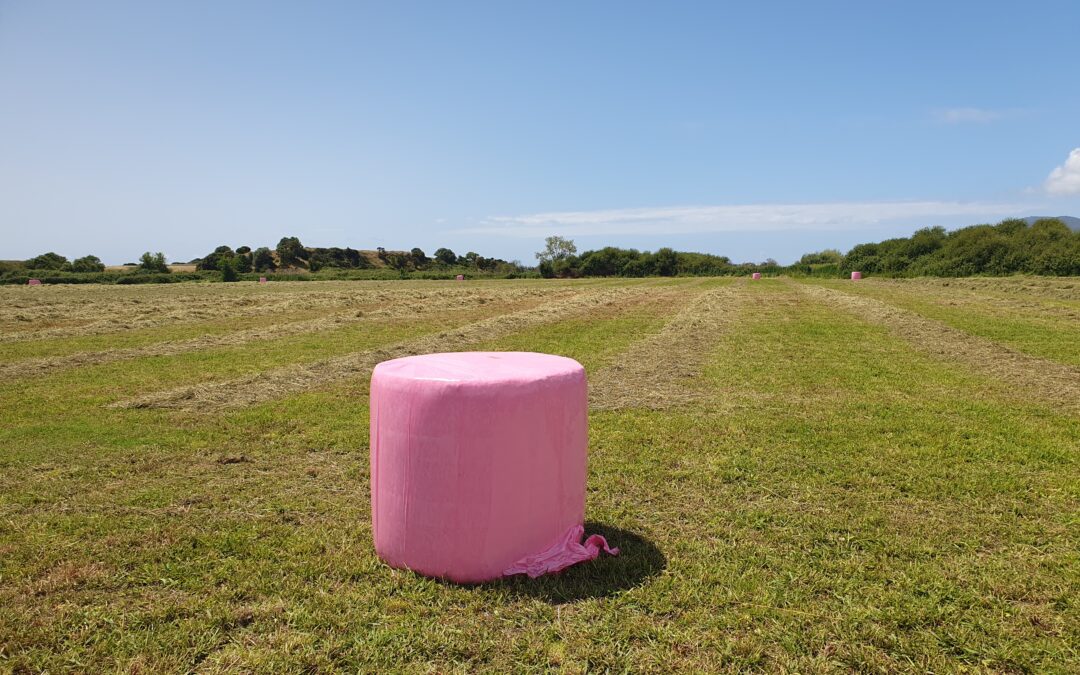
738	218
970	115
1065	179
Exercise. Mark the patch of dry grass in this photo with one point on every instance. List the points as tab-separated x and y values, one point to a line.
1062	288
419	306
272	384
661	370
980	297
67	311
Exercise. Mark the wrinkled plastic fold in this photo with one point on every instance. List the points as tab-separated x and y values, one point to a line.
566	552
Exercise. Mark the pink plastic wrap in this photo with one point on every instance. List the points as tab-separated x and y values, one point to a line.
562	554
478	464
755	275
460	277
855	276
262	280
33	282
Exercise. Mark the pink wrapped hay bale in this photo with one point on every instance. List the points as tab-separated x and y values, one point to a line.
33	282
262	280
478	464
460	277
755	275
855	276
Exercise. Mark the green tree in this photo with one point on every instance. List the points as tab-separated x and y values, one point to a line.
419	259
212	261
354	259
263	260
228	269
48	261
242	262
556	248
398	261
153	262
566	268
446	257
290	252
665	262
87	263
829	255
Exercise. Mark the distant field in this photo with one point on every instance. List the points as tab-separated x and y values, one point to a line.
803	476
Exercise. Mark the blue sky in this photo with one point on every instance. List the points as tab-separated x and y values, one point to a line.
755	130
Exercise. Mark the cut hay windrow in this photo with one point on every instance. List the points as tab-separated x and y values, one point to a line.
1059	288
659	371
1054	383
280	382
78	314
85	314
43	366
962	294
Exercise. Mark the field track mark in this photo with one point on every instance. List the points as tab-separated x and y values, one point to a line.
281	382
1055	383
43	366
656	372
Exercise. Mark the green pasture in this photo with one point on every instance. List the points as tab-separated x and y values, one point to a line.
838	499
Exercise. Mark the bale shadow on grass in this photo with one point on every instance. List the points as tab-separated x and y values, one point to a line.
638	561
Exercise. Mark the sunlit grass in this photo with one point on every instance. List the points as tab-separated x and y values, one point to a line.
838	501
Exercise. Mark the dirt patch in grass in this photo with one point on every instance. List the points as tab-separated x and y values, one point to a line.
441	304
658	372
1041	379
281	382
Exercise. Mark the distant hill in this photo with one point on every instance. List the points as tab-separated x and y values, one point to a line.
1073	223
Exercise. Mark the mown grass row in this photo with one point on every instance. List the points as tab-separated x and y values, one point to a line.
1044	327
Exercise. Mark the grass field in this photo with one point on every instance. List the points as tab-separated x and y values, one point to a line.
803	476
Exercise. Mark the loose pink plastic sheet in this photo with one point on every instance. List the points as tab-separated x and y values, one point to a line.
562	554
478	464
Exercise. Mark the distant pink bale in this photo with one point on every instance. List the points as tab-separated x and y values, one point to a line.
478	464
460	277
855	276
33	282
262	280
755	275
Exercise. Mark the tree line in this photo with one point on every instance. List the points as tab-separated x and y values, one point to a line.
290	253
1045	247
560	259
290	259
